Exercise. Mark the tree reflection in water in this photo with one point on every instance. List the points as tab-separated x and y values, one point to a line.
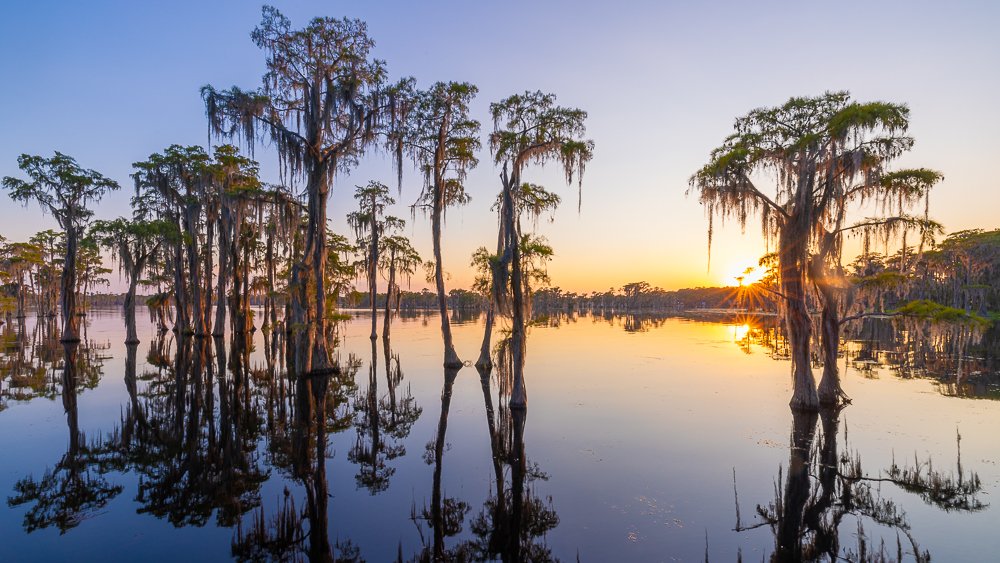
319	404
205	425
961	360
824	492
512	523
192	463
382	422
31	362
75	489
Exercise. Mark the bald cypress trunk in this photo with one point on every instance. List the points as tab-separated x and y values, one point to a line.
225	248
830	391
485	361
373	267
307	287
21	291
181	324
388	295
321	358
518	395
791	254
299	344
451	359
208	269
131	336
194	269
270	316
239	320
245	295
71	323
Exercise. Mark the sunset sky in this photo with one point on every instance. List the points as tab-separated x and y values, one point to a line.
111	82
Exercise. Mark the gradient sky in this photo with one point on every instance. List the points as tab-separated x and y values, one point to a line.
111	82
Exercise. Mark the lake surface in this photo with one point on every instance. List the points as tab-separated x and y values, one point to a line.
645	439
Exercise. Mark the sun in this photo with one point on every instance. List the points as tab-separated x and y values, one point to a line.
747	274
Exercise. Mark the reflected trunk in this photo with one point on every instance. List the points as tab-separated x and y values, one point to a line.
797	487
437	500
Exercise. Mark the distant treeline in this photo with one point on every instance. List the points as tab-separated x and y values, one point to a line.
633	297
544	300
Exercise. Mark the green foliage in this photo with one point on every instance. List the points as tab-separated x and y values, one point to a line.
131	242
531	128
372	199
323	98
937	313
827	154
437	133
399	256
60	186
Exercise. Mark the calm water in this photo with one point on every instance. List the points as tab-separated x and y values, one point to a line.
636	432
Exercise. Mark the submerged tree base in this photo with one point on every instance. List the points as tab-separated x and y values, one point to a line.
451	359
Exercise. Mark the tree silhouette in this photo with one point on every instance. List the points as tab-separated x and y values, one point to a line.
64	189
441	138
528	129
826	152
322	103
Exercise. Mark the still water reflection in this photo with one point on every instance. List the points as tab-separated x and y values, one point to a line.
646	439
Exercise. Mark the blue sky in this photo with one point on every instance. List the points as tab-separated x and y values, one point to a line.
111	82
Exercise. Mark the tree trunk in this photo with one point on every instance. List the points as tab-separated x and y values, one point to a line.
830	392
792	253
21	298
71	323
194	270
308	296
238	313
451	359
131	337
225	247
373	267
208	274
320	355
271	292
518	395
485	361
388	296
181	324
270	318
245	295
